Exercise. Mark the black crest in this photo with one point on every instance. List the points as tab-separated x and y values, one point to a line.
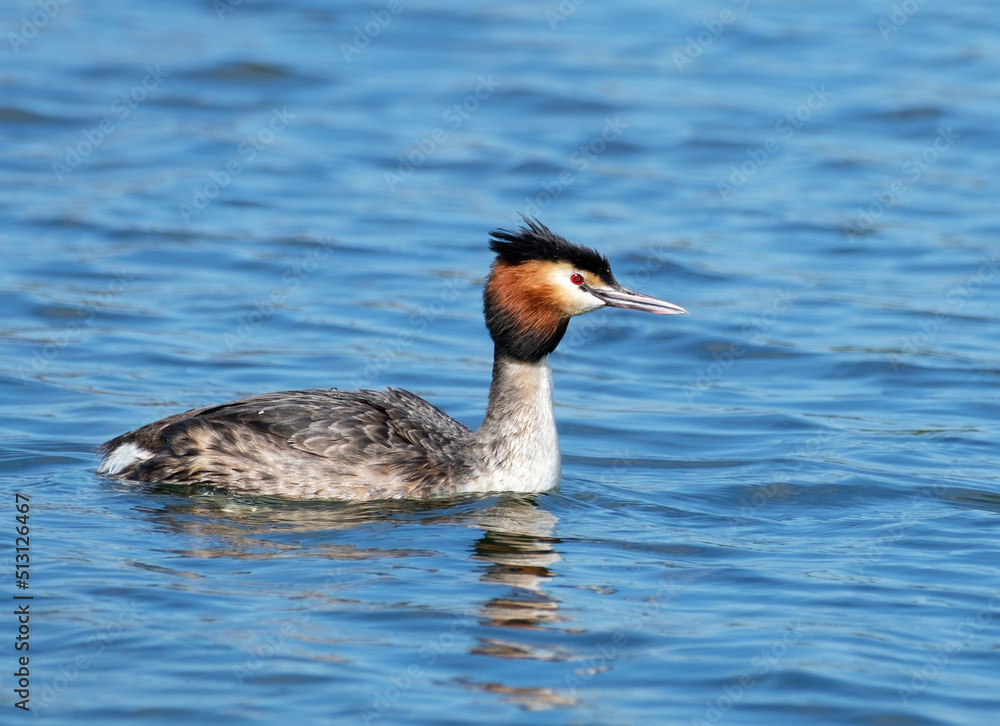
535	241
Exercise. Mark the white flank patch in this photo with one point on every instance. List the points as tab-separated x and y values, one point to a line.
122	457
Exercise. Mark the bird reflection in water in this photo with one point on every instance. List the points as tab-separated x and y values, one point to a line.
518	547
517	550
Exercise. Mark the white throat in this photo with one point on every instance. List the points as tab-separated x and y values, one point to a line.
518	439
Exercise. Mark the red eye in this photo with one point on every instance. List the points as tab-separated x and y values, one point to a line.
576	278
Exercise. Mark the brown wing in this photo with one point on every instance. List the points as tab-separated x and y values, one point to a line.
324	443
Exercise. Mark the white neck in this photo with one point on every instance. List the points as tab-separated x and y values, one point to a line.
518	440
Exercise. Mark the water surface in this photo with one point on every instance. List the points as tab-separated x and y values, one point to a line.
780	509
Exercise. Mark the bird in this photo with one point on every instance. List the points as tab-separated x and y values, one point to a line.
362	445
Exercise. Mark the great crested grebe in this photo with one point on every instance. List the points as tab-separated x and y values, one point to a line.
359	445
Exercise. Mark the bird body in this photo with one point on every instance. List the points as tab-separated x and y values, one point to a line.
364	445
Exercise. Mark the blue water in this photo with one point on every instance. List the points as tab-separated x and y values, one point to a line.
780	509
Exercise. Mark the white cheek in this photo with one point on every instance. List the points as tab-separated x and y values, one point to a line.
575	300
587	302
